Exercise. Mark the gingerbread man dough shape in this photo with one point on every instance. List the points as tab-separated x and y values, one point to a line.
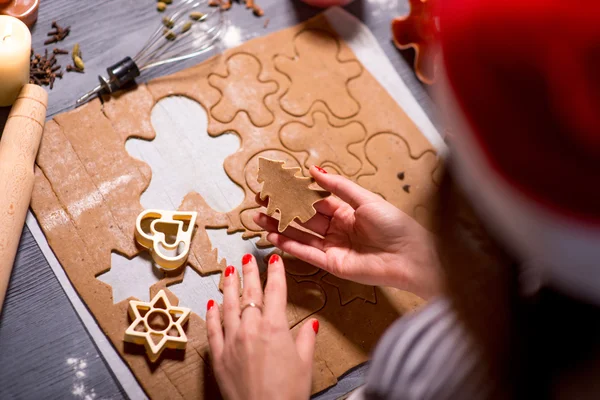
167	234
403	181
332	145
317	60
242	83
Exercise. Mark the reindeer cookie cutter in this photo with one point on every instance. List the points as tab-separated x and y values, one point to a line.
157	325
167	234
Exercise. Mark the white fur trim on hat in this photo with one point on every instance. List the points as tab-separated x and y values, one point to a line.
566	251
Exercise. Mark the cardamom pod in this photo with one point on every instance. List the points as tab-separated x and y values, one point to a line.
78	62
76	51
186	27
197	15
161	6
169	34
168	22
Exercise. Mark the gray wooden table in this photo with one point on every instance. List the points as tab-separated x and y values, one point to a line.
45	350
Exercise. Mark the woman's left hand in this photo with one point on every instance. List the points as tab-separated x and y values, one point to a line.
253	353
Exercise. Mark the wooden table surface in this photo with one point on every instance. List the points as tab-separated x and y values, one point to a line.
45	350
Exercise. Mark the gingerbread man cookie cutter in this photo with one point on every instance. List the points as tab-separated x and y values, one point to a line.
157	325
419	30
167	234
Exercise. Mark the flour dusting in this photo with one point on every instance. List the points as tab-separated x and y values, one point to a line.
79	388
233	37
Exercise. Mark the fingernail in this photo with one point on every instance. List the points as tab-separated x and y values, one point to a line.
246	259
316	326
210	304
229	270
321	170
274	258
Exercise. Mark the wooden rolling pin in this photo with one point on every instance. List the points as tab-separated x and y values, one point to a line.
18	149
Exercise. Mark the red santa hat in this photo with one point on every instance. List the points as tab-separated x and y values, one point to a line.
524	77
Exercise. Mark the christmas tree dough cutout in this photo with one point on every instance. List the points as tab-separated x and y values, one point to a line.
288	192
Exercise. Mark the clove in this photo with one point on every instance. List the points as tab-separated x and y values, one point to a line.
57	34
72	68
43	69
226	5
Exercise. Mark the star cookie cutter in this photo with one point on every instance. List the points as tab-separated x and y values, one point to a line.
167	234
144	330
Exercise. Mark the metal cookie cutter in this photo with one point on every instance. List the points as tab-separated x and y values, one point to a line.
157	325
167	234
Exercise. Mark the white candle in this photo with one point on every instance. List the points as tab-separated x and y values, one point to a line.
15	49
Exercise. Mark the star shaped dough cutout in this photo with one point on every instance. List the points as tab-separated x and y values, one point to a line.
155	339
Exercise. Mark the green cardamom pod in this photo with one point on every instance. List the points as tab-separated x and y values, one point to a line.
186	27
168	22
169	34
197	15
78	62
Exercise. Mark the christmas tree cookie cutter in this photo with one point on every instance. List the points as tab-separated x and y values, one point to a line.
157	325
167	234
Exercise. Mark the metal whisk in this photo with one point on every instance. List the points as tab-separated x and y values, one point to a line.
190	30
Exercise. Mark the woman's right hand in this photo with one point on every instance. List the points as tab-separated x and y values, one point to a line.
365	239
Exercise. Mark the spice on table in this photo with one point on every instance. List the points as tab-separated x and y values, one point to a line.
168	22
71	68
60	51
197	15
186	27
77	60
78	63
44	70
226	5
257	11
169	34
161	6
57	33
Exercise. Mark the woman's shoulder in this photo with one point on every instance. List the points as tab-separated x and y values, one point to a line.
427	355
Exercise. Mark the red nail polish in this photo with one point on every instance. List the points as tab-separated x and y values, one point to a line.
321	170
229	270
210	304
274	258
246	259
316	326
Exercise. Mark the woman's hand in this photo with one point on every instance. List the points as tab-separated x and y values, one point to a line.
254	355
365	239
